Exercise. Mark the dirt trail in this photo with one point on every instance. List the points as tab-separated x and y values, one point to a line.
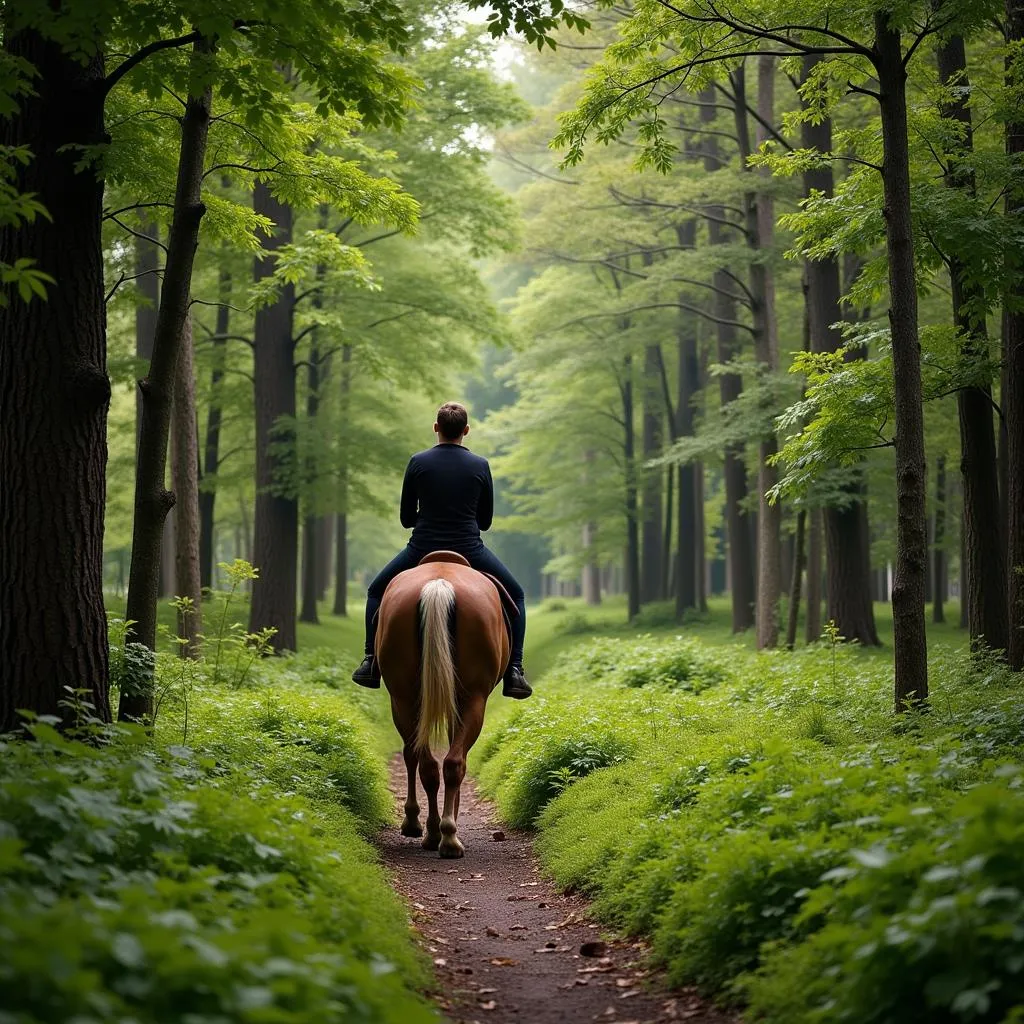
507	946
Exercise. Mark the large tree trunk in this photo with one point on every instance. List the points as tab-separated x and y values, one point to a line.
341	532
979	466
55	392
911	641
185	474
341	564
652	554
276	542
1013	396
939	540
741	557
846	534
152	500
795	579
211	448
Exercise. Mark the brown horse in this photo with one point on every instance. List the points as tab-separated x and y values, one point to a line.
441	647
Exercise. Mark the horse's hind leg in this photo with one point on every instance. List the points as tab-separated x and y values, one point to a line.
430	776
407	730
455	771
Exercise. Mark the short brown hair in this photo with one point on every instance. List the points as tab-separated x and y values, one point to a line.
451	420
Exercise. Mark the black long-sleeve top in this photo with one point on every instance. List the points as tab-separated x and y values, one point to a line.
447	498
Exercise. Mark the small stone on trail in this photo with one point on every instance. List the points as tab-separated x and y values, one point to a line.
493	932
594	948
497	837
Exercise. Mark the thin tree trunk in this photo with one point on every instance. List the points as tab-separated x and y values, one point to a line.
911	641
741	558
276	542
652	553
814	553
324	555
310	561
185	474
341	541
55	393
795	580
702	565
846	534
591	571
147	265
939	540
979	467
152	500
214	417
666	547
1013	391
632	511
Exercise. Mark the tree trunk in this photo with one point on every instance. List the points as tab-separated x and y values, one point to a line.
147	265
341	564
152	500
324	555
341	541
741	559
795	579
652	554
591	570
666	547
211	448
814	553
53	413
310	560
939	540
911	641
185	474
846	532
632	512
979	466
276	541
703	566
1013	397
760	229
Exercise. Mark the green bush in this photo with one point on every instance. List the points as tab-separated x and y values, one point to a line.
217	882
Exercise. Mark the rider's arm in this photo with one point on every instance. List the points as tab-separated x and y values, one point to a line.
485	507
407	510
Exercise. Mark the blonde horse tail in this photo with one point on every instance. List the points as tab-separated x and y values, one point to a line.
438	710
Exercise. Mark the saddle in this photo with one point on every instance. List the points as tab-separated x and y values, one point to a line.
509	611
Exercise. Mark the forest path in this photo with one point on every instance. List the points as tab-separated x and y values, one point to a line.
508	948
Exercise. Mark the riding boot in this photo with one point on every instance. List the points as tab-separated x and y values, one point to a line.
368	673
515	684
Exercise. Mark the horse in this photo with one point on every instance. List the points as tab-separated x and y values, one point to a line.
442	645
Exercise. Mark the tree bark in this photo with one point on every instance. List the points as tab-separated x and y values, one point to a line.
152	500
276	541
1013	397
147	265
310	561
939	540
185	474
979	466
846	532
911	642
632	511
741	559
341	535
54	394
688	383
760	229
814	553
591	570
652	555
324	554
795	580
214	417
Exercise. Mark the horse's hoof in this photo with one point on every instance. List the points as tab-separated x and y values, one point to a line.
412	829
431	842
451	848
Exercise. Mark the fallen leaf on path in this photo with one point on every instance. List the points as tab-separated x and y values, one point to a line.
517	928
489	1005
504	961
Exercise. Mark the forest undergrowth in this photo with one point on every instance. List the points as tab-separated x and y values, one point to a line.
220	870
785	842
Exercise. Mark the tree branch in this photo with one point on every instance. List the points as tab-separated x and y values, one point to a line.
148	50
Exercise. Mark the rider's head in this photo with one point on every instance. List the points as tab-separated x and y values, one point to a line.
452	423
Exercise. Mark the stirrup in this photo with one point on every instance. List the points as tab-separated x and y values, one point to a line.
368	673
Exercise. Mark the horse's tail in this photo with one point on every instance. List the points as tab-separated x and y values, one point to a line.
438	710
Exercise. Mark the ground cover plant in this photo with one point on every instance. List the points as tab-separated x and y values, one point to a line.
215	871
787	844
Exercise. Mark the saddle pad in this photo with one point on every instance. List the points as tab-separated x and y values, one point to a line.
445	556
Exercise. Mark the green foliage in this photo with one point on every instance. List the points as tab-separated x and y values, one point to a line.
785	842
225	881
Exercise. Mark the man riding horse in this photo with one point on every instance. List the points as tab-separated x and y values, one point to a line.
447	500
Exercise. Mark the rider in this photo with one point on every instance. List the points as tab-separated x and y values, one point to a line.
447	499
